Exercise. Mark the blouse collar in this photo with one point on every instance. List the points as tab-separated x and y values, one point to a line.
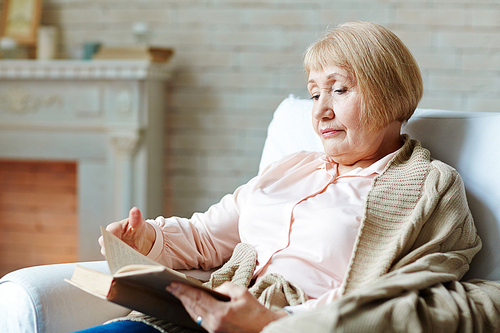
375	168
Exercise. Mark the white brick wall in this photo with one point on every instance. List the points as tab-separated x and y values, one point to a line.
237	59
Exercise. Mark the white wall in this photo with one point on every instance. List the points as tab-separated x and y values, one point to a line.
237	59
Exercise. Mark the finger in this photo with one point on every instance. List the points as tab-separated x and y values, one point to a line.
195	301
135	218
230	289
116	228
101	243
190	297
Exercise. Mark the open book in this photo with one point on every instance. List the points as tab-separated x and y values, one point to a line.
137	283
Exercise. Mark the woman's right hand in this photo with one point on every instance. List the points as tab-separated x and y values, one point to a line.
134	231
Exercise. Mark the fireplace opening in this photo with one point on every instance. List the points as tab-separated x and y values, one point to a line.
38	213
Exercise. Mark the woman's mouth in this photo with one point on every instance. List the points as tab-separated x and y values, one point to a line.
328	132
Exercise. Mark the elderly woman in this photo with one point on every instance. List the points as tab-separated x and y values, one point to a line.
341	227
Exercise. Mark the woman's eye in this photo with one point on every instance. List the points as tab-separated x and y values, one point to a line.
340	90
315	97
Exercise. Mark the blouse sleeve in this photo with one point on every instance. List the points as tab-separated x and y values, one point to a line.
206	240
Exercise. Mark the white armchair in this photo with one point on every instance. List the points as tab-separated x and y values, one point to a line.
36	299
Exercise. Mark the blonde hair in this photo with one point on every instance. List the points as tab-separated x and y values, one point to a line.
385	71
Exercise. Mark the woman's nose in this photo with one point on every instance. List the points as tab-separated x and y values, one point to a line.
323	109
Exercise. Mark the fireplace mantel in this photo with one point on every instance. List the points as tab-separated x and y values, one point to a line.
106	115
81	70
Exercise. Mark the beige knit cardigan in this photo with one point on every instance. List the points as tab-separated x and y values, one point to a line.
415	243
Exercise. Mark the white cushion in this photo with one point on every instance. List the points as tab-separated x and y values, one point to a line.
465	140
290	131
469	141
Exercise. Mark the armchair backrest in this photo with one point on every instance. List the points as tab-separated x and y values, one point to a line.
468	141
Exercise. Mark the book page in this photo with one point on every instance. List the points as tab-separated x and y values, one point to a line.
91	281
120	254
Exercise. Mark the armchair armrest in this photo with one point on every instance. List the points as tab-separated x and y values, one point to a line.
36	299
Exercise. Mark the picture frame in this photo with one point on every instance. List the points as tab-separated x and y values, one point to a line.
20	20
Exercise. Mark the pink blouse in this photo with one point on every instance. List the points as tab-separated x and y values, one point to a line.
301	217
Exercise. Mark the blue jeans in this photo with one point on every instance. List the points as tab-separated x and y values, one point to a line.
121	326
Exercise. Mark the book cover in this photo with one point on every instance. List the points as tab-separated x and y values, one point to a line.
138	283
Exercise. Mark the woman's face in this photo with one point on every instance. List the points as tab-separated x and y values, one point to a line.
336	119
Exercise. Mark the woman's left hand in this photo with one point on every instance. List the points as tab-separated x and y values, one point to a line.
243	313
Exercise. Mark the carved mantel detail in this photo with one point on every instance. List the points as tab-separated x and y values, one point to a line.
20	101
125	143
